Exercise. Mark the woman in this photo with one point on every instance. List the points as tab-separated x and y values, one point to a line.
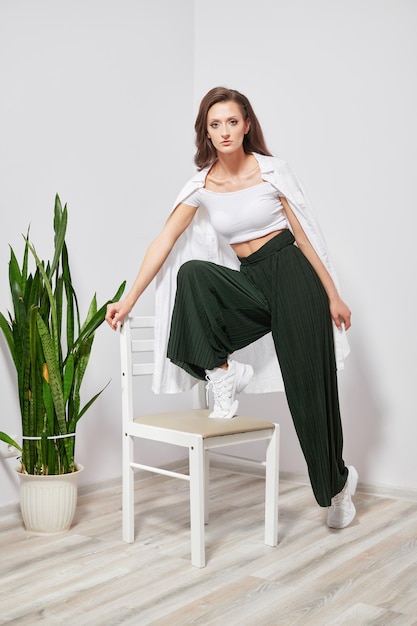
257	210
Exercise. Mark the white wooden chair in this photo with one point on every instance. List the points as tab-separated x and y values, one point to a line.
194	430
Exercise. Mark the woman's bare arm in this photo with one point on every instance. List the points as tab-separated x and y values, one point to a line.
154	258
339	311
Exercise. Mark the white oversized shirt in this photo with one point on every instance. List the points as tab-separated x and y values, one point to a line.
200	241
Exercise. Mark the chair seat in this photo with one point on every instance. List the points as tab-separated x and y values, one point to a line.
197	422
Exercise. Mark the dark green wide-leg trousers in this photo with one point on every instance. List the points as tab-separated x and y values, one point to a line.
219	310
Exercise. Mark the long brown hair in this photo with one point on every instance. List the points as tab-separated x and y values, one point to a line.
254	139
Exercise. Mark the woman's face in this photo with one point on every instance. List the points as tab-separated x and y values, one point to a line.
226	127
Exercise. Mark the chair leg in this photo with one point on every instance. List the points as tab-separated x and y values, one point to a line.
197	496
206	486
128	491
272	489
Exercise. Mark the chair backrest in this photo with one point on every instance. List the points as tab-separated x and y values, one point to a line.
137	345
129	346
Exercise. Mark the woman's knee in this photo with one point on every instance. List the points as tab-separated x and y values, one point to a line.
192	270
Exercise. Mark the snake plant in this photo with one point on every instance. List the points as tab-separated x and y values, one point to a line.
50	348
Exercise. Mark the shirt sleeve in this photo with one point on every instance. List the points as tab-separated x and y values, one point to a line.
194	199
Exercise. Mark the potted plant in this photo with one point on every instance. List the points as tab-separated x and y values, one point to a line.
50	349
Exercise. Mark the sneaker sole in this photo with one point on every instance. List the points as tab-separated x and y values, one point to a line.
231	413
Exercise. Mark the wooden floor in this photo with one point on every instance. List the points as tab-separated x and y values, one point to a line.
365	574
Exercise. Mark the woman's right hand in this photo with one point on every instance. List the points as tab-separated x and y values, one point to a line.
116	312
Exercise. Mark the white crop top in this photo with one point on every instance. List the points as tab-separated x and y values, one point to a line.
242	215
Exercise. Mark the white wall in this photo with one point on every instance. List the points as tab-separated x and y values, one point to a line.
334	86
94	92
95	96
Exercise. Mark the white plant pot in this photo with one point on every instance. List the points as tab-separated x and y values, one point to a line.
48	503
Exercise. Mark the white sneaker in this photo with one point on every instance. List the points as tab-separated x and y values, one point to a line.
225	384
342	510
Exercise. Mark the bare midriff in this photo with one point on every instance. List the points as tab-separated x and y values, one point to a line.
246	248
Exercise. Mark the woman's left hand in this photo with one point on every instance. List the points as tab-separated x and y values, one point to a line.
340	313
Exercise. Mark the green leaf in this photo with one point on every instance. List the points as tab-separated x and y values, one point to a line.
48	287
68	377
81	359
10	441
8	334
73	423
17	289
72	304
58	295
49	405
60	227
98	318
54	373
15	277
44	452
